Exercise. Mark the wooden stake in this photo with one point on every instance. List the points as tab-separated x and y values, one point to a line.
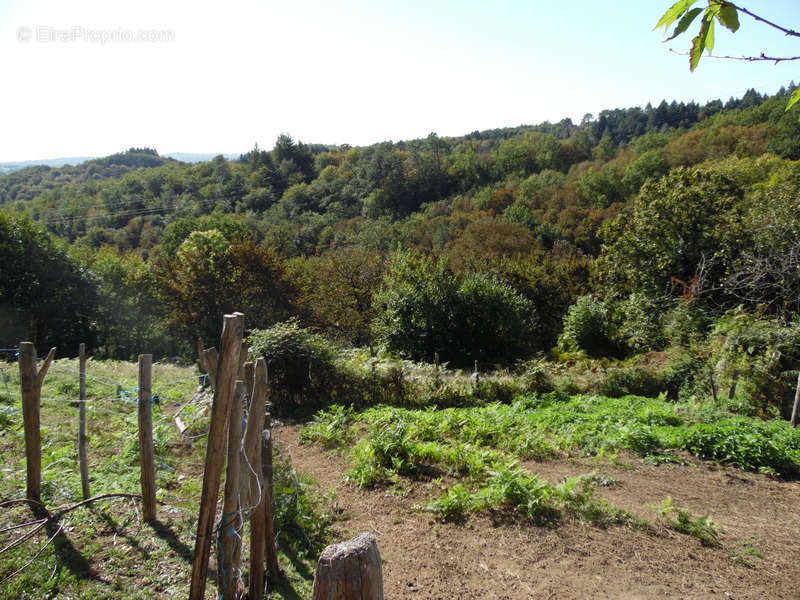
31	387
713	385
258	492
224	387
212	360
84	462
230	527
146	458
269	525
201	359
246	479
243	359
796	406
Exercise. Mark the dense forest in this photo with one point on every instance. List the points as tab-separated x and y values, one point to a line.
632	231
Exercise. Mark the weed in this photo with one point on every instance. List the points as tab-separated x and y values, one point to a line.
703	528
331	428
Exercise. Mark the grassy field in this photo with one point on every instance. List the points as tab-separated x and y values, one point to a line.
106	550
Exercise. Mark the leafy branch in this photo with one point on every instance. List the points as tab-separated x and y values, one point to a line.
726	14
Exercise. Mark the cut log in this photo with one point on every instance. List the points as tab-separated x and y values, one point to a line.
350	571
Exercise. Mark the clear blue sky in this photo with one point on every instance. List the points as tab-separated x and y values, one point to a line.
221	76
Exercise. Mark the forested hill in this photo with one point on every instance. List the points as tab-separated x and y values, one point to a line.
413	245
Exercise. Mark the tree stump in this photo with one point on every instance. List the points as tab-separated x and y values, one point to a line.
350	571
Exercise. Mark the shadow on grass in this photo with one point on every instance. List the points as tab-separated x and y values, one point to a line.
284	587
69	556
120	531
164	531
303	570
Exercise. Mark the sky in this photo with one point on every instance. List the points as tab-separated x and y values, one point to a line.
90	78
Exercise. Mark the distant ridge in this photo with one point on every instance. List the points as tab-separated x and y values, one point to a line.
10	167
189	157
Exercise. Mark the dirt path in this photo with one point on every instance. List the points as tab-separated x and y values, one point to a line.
487	559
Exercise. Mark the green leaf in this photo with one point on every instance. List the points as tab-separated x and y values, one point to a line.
672	14
684	23
795	98
710	36
729	17
698	45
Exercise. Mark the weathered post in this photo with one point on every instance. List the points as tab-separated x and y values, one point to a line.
84	462
224	387
212	362
31	386
201	362
146	457
257	489
230	524
796	406
266	468
243	401
350	571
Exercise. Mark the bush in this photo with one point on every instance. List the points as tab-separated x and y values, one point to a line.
424	308
588	327
640	324
301	364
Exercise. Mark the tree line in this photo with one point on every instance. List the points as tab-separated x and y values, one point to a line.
492	246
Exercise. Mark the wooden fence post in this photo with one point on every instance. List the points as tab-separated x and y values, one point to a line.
201	358
269	488
230	524
224	387
255	424
350	571
146	458
796	406
31	386
212	362
244	471
247	477
84	462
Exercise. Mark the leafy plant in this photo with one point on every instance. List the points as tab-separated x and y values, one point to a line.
703	528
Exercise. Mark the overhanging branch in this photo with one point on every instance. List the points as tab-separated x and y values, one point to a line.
760	57
790	32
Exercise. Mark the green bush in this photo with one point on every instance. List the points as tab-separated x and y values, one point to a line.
301	365
424	308
588	327
640	323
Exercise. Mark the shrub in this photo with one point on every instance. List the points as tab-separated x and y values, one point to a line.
425	308
640	324
300	362
588	327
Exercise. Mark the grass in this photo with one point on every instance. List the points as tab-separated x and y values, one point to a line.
106	550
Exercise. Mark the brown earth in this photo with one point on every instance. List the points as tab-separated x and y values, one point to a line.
494	557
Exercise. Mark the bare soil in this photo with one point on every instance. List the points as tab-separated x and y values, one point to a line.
494	556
